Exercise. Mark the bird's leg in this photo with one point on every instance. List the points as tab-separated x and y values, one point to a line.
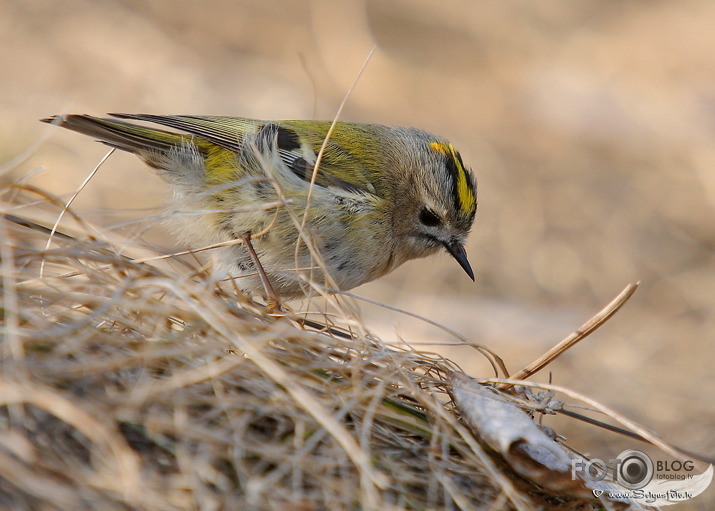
272	302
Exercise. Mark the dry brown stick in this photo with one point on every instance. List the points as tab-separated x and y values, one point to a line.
586	329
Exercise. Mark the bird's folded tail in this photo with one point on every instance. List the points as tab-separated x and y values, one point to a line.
122	135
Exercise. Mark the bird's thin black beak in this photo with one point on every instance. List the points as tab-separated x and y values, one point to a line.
455	248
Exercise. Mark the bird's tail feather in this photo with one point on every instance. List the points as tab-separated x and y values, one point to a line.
120	134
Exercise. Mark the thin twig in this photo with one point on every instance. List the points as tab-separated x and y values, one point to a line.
586	329
69	203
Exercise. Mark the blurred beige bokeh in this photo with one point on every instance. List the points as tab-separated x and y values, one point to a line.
589	125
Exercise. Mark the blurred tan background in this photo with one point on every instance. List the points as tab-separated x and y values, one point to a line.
590	126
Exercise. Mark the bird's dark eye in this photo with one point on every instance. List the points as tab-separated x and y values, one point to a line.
429	218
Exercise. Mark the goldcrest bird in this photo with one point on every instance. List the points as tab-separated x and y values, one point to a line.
380	197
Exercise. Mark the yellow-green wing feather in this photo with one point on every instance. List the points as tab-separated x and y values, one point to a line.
351	159
228	132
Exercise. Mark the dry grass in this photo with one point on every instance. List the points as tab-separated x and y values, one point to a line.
129	386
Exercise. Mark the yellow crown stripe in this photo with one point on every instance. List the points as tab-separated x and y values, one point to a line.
465	195
464	191
439	147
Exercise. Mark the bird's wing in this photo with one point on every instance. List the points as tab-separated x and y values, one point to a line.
350	161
